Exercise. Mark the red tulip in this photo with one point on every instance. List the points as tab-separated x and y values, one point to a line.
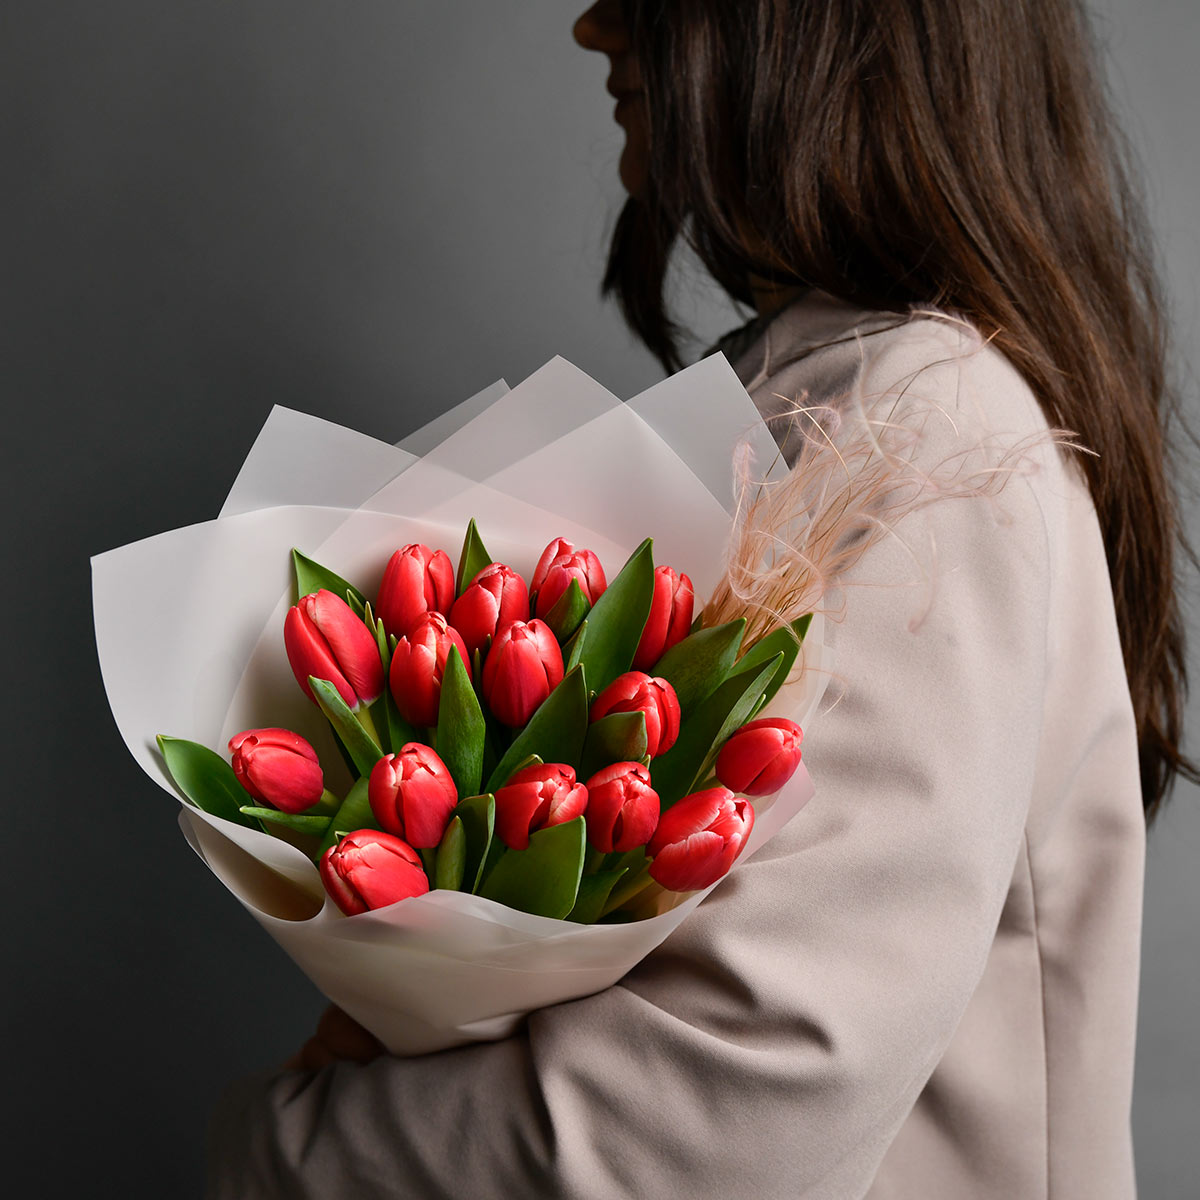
551	579
654	698
522	668
698	838
412	795
557	549
670	617
497	597
418	663
277	767
417	580
535	797
325	639
760	757
369	869
622	811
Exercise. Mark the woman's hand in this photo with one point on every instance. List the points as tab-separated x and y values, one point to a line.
339	1038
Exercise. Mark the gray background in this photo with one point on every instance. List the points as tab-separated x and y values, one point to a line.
366	211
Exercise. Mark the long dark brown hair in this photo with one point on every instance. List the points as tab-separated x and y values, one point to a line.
953	153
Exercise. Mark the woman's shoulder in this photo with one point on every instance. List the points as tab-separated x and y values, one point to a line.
826	353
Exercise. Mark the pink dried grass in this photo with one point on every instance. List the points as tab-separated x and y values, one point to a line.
857	475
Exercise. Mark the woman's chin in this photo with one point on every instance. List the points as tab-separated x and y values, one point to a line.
632	166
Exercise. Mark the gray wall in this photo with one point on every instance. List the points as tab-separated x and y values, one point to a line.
366	211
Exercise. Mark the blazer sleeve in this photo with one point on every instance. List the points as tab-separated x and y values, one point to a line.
773	1045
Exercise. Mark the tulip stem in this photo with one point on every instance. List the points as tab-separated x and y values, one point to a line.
328	804
368	723
627	889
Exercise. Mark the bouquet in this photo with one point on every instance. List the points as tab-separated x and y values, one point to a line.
457	792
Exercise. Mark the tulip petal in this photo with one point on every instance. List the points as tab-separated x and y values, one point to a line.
351	643
383	875
517	810
287	780
309	655
691	864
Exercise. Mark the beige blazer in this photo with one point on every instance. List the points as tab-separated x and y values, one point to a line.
924	987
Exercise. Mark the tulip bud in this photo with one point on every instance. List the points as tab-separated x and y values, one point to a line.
325	639
760	757
558	548
622	811
655	699
497	597
417	580
553	581
277	767
412	795
418	663
369	869
698	838
522	668
535	797
670	617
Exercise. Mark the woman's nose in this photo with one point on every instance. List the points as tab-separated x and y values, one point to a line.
602	28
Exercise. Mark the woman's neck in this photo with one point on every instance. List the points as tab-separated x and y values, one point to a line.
770	297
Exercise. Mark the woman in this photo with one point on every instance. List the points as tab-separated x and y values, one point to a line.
925	986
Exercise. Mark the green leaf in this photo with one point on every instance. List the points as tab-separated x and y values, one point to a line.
205	778
555	732
477	815
451	857
617	619
728	708
461	728
355	813
375	625
309	576
568	612
544	879
299	822
698	665
780	641
573	649
472	560
619	737
633	883
363	749
594	891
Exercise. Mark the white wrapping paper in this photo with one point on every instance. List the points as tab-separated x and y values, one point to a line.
189	632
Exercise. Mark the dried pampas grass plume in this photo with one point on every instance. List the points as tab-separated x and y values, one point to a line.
858	472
